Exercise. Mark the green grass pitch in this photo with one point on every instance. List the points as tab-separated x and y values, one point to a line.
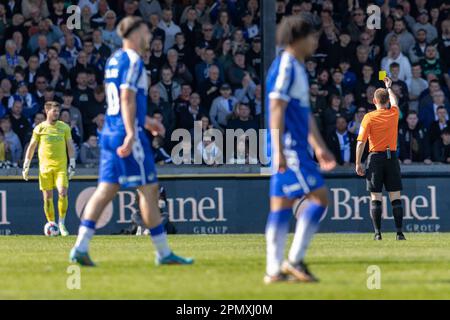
227	267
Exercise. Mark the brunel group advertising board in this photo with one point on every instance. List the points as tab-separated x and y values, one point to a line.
230	205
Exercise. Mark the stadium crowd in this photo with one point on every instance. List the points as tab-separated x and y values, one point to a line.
205	65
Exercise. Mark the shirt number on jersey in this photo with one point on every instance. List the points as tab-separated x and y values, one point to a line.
112	97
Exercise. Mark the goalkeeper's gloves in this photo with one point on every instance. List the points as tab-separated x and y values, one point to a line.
71	169
26	169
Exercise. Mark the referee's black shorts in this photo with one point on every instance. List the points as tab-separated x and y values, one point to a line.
383	171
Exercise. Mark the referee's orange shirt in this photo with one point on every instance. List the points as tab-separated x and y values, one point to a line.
381	128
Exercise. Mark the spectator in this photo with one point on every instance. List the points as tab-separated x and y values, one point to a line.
424	24
19	124
161	155
238	70
206	39
223	28
431	62
210	88
187	116
4	148
109	34
76	137
331	113
417	52
28	102
83	99
99	122
414	141
202	68
179	69
222	107
157	59
404	37
169	89
209	151
253	57
439	125
355	125
183	100
395	55
191	28
342	143
75	113
169	27
90	152
442	148
429	114
12	140
163	107
416	87
242	118
11	59
250	29
31	71
366	81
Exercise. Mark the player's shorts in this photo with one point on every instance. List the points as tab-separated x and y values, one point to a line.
138	169
51	179
382	171
297	181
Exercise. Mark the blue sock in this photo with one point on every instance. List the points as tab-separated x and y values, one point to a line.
277	229
307	226
85	233
159	239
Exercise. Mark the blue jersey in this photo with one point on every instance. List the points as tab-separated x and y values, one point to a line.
124	69
287	80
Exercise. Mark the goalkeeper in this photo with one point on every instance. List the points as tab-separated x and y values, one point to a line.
55	143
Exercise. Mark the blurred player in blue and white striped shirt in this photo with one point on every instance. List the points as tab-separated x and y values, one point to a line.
126	155
293	133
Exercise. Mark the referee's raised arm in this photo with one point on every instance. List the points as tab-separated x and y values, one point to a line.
392	97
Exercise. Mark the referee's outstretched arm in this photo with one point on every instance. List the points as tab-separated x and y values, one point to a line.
392	97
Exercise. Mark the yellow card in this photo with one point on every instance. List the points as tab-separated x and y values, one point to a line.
382	75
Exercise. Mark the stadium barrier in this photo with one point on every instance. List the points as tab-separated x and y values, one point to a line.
225	200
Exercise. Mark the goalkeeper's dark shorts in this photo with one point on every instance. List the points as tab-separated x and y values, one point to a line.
381	171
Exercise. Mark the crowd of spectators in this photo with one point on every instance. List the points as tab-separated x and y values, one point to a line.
412	45
205	65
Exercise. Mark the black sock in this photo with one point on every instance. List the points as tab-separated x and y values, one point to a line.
397	211
375	214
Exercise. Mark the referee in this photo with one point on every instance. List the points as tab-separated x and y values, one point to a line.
380	127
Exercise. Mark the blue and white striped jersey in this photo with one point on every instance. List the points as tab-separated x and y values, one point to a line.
287	80
124	69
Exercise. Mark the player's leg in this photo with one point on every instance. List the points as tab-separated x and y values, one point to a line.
375	175
393	184
46	184
94	208
277	229
148	204
397	212
376	210
307	225
62	185
49	208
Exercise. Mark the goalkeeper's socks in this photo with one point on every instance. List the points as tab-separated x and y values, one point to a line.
277	228
307	226
159	239
85	234
63	204
375	213
49	210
